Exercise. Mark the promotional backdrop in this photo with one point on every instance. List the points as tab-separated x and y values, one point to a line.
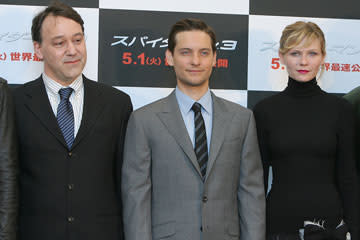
126	43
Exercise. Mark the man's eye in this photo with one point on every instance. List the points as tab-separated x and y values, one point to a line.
59	44
78	40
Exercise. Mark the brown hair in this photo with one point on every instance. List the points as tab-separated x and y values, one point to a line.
190	24
295	33
56	8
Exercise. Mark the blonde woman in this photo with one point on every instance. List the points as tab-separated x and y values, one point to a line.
307	136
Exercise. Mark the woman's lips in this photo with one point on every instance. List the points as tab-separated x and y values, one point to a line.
303	71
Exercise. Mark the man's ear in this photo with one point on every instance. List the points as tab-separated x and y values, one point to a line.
37	49
169	57
214	60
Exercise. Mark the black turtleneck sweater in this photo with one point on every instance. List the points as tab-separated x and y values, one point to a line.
307	136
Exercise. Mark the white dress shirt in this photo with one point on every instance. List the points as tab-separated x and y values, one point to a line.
76	98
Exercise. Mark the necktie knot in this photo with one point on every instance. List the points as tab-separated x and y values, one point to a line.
196	107
65	93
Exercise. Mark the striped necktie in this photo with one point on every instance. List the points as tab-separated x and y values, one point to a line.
201	149
65	116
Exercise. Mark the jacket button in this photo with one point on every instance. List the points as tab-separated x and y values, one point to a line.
204	199
70	154
71	219
70	186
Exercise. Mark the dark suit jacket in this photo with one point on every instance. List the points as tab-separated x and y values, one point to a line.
71	194
8	166
354	98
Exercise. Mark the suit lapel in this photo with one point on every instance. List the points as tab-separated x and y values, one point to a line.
221	120
93	106
172	119
38	103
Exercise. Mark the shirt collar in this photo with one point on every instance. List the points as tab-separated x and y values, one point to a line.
186	102
53	87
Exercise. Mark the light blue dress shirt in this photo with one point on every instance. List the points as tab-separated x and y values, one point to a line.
185	104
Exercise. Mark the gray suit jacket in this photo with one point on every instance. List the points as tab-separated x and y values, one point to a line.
162	189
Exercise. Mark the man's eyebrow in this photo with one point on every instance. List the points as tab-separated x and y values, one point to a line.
78	34
57	37
74	35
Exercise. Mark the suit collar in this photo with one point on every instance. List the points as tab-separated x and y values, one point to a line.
185	102
53	87
221	121
93	106
38	103
172	119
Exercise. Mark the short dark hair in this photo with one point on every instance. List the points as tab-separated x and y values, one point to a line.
190	24
56	8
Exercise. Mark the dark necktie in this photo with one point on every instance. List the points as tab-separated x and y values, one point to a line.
201	150
65	116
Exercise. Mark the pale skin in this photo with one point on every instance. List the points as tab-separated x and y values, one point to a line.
193	60
303	61
62	49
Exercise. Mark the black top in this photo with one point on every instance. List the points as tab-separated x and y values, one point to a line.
307	136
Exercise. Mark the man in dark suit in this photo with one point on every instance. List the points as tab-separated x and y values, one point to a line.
8	166
192	167
354	98
71	132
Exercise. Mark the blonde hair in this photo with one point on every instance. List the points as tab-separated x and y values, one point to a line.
297	32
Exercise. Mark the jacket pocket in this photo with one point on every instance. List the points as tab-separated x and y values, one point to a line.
163	230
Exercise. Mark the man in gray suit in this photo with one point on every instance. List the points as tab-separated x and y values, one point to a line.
192	166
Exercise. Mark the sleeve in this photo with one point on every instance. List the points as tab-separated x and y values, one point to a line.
136	182
125	114
8	167
251	195
263	143
346	169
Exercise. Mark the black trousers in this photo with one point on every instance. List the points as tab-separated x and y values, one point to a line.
283	236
